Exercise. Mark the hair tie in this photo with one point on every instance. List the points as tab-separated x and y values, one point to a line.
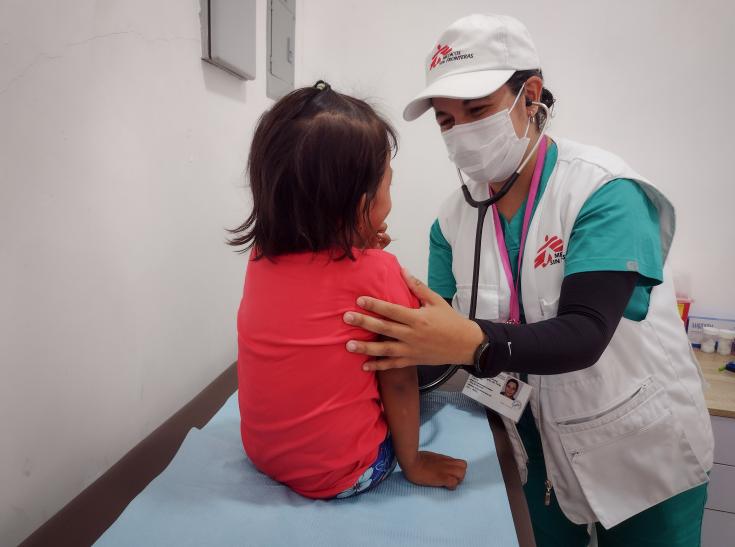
321	85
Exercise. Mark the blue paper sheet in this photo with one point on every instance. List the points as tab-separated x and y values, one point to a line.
211	494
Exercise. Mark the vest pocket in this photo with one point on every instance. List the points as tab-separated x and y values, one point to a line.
630	457
487	300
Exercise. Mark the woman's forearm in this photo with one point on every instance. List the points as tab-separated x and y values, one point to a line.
591	305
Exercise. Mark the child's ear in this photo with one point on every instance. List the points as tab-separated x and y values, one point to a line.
361	208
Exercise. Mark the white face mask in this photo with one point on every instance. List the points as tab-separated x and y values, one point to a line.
487	150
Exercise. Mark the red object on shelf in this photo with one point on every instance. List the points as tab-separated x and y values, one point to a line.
684	304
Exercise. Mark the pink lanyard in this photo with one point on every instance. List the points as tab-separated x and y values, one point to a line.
515	311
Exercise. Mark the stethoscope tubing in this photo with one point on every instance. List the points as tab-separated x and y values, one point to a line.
482	207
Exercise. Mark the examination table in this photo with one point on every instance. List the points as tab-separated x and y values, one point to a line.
204	491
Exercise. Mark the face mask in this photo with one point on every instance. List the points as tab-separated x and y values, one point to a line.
487	150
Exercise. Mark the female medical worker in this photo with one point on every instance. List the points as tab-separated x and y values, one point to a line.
574	297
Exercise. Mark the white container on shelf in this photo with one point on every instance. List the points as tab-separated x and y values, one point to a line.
724	341
709	339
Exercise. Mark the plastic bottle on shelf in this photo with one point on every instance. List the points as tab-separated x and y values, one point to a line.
709	338
724	341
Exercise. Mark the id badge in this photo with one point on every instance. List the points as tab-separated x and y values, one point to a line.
504	394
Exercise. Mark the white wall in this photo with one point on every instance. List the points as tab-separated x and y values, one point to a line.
650	81
121	163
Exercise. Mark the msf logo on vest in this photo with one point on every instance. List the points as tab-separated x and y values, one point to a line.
550	253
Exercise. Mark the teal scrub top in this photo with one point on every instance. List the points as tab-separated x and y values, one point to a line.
617	229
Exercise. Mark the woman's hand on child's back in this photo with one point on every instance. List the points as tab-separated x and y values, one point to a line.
432	469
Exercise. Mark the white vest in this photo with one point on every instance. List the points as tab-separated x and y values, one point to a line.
633	429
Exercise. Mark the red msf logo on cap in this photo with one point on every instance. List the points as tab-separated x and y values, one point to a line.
441	51
551	252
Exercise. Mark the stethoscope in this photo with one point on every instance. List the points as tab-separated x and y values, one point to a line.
427	379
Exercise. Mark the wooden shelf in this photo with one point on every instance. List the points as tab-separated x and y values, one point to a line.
720	395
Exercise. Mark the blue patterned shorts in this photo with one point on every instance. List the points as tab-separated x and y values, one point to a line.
383	466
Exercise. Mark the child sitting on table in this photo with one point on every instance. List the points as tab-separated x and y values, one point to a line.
311	418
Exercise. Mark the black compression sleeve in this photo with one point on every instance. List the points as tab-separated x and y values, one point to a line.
591	305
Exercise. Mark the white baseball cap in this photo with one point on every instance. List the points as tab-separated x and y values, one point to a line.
473	58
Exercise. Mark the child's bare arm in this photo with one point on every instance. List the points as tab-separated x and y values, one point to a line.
400	395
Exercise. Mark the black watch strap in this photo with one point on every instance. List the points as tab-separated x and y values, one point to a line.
480	354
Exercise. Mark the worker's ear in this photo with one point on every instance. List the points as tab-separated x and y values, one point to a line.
532	89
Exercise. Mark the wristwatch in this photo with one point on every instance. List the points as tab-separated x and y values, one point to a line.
480	354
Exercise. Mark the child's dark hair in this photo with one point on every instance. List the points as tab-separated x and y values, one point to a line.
313	156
